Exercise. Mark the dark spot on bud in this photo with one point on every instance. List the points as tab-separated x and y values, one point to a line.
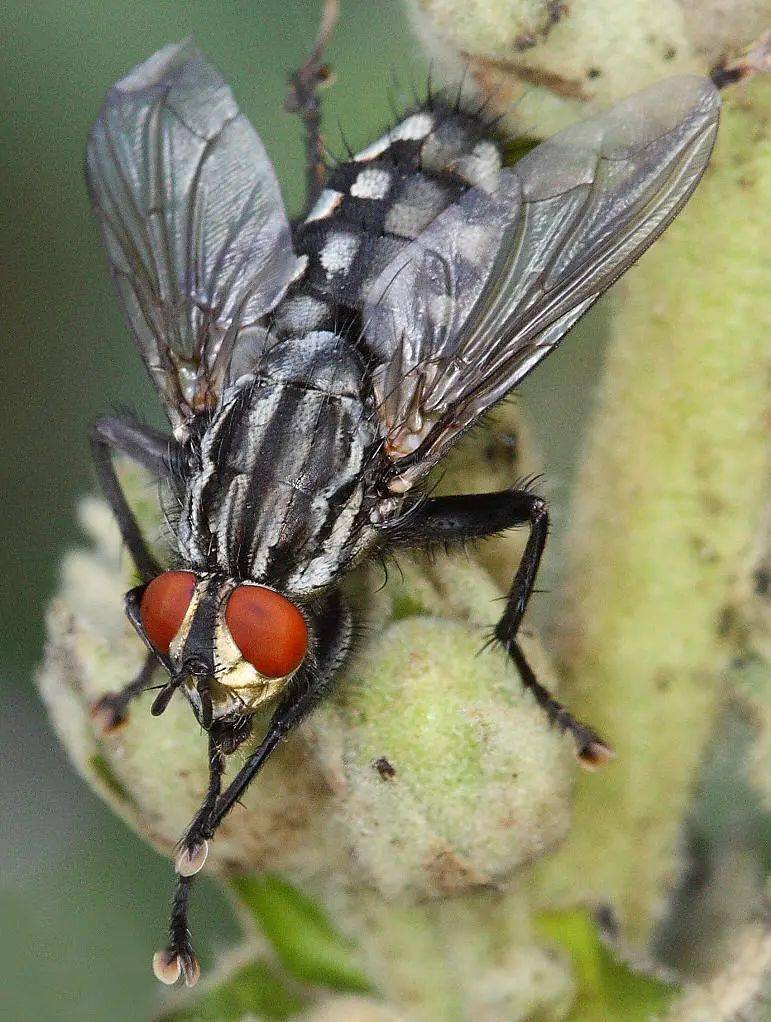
670	53
556	9
385	769
593	72
663	679
726	621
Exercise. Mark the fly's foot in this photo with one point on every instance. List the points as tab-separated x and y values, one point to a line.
178	958
109	712
173	962
191	856
593	753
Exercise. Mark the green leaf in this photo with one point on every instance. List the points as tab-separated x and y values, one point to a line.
607	988
252	989
304	939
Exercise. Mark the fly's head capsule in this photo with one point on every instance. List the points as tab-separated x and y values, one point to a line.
229	645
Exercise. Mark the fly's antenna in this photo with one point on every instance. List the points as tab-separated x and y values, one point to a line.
163	698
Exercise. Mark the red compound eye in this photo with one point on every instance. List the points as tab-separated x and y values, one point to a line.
269	630
164	605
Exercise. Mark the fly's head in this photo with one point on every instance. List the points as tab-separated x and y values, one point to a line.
229	645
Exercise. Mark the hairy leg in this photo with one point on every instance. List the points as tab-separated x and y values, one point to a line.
148	447
473	516
153	450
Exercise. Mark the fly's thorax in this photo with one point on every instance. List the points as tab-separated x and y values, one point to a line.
279	489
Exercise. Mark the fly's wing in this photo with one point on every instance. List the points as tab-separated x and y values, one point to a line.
494	283
192	221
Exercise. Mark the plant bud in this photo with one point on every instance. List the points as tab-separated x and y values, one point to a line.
453	781
542	64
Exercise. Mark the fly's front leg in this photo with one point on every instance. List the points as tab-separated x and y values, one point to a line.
111	710
178	957
306	689
333	632
154	451
146	446
192	849
474	516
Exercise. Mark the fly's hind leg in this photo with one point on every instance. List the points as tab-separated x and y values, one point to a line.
474	516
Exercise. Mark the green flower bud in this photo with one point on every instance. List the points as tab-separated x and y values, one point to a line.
542	63
452	779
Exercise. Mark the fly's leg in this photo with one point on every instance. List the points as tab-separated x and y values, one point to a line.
111	710
592	750
473	516
178	957
146	446
305	690
303	99
154	451
192	849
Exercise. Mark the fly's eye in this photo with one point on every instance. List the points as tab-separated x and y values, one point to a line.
269	630
164	605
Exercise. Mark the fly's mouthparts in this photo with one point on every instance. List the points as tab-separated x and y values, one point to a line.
207	709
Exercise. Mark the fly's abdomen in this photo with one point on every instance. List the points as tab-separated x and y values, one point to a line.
279	493
380	200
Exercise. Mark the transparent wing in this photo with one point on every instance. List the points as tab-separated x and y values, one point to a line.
192	221
494	283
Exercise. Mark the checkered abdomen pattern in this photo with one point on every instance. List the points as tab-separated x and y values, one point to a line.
378	202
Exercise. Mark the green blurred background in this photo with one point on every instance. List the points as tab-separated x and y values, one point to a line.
83	899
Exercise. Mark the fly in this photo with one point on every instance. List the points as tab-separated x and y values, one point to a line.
314	374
